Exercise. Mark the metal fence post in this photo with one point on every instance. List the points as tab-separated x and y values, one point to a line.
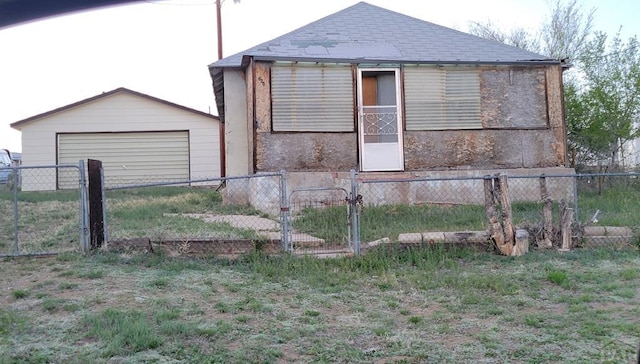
355	221
284	211
84	212
15	211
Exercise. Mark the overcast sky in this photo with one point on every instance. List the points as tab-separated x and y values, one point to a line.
162	48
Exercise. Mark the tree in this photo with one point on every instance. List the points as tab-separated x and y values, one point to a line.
603	103
566	31
602	90
562	35
518	37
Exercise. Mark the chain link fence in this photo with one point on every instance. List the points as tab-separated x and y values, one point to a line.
456	210
42	210
210	216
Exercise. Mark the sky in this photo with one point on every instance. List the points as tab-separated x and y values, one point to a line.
162	48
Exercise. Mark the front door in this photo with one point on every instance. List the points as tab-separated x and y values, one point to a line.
379	114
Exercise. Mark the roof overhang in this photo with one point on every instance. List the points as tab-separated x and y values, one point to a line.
532	62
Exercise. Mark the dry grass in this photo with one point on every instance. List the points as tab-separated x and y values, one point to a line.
412	306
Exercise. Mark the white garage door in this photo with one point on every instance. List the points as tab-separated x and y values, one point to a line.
128	158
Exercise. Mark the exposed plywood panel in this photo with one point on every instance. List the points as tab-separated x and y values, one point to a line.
479	149
555	105
306	152
514	98
238	162
262	86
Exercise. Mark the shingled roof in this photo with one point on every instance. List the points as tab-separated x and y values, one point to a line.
364	32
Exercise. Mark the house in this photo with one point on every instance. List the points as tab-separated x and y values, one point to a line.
387	94
631	152
138	138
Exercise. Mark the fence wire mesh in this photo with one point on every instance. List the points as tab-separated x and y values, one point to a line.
41	210
609	208
235	215
216	216
605	208
320	221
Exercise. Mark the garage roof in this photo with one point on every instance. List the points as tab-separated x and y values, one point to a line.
18	124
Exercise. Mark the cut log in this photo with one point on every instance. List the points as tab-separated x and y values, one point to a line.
547	216
501	228
567	220
522	243
507	213
495	228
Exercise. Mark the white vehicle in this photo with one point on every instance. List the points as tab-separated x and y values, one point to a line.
5	166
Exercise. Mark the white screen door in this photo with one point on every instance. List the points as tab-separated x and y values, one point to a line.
379	113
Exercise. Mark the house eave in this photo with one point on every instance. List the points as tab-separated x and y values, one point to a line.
524	62
532	62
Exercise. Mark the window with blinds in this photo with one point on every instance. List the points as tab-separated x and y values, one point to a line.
438	98
312	97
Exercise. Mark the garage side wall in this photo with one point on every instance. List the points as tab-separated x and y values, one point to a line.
123	112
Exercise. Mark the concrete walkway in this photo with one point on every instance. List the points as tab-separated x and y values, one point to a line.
266	227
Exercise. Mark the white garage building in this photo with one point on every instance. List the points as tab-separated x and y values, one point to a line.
138	138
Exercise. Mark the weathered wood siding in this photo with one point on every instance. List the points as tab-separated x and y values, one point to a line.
513	98
522	119
296	151
307	151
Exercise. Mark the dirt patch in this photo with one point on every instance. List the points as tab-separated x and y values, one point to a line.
197	248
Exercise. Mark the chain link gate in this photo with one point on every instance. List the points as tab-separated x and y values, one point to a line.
322	220
318	221
43	210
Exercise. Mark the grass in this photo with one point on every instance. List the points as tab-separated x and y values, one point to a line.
158	213
49	221
618	206
390	305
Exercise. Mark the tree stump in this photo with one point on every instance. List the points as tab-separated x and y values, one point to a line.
498	209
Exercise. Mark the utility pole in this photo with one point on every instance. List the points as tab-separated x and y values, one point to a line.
219	24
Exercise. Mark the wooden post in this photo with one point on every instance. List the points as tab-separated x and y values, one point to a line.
547	216
495	229
507	212
567	220
96	217
501	228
